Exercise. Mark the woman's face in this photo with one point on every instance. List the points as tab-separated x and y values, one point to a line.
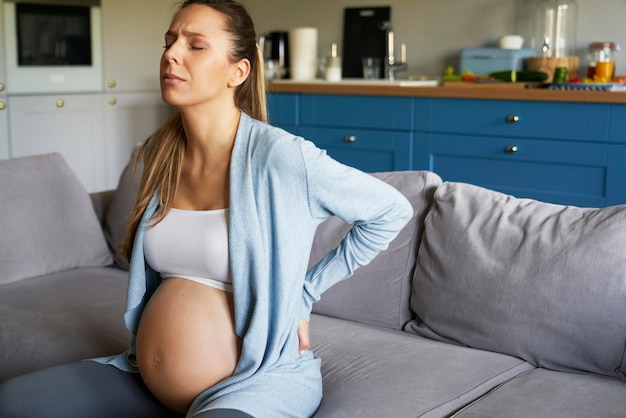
196	67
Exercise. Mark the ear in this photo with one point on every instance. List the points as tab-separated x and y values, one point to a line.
240	73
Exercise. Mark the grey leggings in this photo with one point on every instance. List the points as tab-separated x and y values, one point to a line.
87	390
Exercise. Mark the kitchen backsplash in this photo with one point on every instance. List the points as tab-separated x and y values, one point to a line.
435	31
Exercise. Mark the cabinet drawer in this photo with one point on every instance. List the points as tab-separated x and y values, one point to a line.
371	151
617	127
570	121
392	113
567	173
282	109
616	182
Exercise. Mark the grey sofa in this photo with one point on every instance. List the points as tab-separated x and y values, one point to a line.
484	306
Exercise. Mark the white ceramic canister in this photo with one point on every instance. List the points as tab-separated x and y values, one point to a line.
303	53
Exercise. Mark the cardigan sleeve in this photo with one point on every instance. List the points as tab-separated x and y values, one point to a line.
376	210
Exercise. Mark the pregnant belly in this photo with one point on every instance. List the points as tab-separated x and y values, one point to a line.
186	341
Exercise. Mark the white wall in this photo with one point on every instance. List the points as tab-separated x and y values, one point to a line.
436	31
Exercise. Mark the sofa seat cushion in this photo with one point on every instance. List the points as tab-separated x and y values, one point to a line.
539	281
47	221
61	317
377	372
379	293
542	393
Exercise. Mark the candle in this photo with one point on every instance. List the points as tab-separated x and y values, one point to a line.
403	53
390	51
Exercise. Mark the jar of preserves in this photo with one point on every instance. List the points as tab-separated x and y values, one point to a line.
601	61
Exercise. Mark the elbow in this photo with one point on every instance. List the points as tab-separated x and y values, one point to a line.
405	211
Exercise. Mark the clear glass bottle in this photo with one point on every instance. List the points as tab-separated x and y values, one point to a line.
333	64
555	28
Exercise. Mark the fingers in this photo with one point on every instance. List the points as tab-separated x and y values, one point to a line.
304	336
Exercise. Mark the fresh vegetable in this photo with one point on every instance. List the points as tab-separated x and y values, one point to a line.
514	76
469	77
449	75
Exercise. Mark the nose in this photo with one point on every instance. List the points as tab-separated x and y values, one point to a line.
171	53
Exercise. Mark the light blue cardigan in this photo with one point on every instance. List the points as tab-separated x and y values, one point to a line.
281	188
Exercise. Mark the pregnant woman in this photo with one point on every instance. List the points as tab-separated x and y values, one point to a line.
219	294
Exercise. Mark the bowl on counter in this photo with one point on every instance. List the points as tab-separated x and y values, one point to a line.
510	42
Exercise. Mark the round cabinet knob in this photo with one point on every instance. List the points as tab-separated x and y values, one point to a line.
511	149
2	105
111	83
350	138
1	86
60	103
112	100
513	118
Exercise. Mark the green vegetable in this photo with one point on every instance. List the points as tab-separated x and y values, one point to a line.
450	76
514	76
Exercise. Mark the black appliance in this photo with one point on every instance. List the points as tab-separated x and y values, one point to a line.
364	35
276	47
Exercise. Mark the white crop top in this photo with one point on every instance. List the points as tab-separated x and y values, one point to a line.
191	244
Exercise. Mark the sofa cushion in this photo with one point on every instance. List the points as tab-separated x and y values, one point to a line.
47	221
62	317
542	393
121	206
379	293
378	372
543	282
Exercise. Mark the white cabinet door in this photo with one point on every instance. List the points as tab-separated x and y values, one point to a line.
3	78
68	124
133	42
129	119
4	128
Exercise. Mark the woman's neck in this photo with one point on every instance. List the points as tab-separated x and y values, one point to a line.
210	137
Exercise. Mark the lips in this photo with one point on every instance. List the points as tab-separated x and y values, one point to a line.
171	78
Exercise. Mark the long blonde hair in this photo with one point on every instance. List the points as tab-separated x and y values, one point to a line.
163	153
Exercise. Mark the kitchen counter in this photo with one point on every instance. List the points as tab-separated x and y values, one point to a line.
459	90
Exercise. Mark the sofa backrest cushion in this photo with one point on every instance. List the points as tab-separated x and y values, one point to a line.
543	282
47	221
379	293
121	206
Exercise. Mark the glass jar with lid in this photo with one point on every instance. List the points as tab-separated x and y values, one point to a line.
601	61
555	28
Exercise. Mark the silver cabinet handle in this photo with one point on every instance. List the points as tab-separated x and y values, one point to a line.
511	149
513	118
350	138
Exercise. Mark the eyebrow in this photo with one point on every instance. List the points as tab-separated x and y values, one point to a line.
186	33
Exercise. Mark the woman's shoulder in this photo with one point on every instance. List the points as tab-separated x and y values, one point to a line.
268	141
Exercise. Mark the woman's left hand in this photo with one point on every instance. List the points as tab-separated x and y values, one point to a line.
303	336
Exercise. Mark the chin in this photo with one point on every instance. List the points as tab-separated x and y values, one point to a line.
168	99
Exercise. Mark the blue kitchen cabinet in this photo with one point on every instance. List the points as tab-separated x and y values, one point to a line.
616	175
567	153
368	150
370	133
616	181
573	173
283	111
362	112
550	151
522	119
